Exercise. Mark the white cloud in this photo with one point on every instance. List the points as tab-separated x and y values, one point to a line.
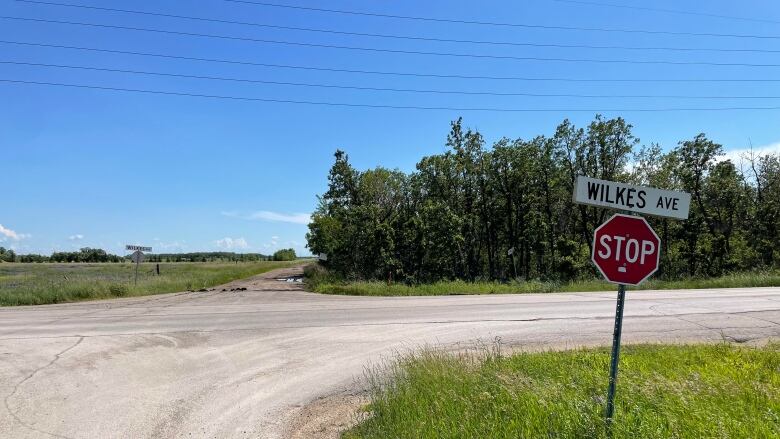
174	245
232	243
738	156
274	244
6	234
267	215
76	237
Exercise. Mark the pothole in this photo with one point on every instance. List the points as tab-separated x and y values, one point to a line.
291	279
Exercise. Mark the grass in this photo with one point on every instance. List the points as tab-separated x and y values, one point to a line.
36	284
326	285
698	391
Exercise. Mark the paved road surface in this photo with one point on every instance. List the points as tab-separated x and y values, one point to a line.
243	364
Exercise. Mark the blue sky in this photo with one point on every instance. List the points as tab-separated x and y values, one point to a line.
85	167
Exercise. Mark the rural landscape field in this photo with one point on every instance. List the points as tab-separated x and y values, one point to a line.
297	219
37	284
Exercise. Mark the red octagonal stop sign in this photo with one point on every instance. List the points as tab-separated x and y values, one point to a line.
626	249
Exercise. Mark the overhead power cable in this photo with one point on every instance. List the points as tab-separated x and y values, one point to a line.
495	23
403	37
368	88
395	51
397	107
387	73
668	11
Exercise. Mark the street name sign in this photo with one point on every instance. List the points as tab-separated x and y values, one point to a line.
626	249
137	256
138	248
640	199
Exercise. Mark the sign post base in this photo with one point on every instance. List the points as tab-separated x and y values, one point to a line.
613	367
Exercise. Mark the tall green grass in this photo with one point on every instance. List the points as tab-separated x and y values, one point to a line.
36	284
704	391
326	284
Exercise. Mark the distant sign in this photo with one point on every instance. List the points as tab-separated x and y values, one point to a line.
138	248
137	257
642	199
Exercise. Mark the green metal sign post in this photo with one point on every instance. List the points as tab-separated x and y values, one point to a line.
613	365
626	250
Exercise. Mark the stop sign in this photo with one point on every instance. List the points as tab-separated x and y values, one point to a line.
626	249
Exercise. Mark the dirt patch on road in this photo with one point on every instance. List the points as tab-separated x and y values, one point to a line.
329	416
267	281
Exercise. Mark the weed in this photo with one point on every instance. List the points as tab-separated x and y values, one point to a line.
664	391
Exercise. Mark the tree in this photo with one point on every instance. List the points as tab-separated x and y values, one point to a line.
7	255
473	212
287	254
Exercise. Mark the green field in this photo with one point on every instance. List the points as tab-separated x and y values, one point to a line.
318	282
704	391
35	284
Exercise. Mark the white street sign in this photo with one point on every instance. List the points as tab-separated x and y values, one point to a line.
138	248
641	199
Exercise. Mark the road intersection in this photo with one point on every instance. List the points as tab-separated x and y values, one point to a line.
249	363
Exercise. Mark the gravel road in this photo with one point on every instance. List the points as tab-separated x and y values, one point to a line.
256	363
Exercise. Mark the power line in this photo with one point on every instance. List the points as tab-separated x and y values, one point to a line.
395	51
387	73
400	37
668	11
384	89
396	107
504	24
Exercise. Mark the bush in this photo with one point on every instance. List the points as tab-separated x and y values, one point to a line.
118	290
315	274
286	254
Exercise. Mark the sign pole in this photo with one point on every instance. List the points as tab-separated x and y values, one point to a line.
626	250
613	367
137	257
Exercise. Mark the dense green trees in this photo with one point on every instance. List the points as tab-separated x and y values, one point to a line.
286	254
85	255
478	213
98	255
7	255
205	257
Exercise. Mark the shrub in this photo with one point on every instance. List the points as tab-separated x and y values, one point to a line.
119	290
286	254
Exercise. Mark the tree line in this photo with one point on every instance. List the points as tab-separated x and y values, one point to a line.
93	255
479	213
85	254
206	257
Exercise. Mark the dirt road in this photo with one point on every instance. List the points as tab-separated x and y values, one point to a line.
251	363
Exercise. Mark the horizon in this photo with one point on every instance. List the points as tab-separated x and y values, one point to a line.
102	168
